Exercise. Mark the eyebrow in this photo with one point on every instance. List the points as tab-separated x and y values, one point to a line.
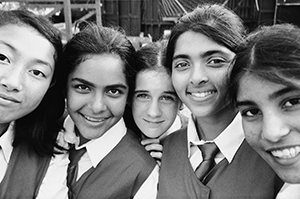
82	81
92	85
146	91
141	91
271	97
282	92
122	86
205	54
170	92
244	103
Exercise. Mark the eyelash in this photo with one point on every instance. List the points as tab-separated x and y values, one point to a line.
3	58
292	105
40	74
114	92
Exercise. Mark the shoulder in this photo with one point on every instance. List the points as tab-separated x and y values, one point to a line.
177	136
131	147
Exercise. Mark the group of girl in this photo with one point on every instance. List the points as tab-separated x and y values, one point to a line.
124	136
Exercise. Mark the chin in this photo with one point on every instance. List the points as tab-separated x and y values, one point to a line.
290	177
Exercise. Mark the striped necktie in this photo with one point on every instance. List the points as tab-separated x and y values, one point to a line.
209	151
74	157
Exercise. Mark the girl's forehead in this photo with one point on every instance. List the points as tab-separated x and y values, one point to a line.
101	70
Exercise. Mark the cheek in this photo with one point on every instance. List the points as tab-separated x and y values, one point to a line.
170	111
117	107
75	101
37	93
252	134
178	81
138	109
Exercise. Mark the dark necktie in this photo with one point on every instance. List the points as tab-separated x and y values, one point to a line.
209	151
74	157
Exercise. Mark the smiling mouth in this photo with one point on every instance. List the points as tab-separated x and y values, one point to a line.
10	99
91	119
202	94
286	153
153	122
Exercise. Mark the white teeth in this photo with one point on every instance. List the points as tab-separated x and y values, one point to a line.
286	153
203	94
92	119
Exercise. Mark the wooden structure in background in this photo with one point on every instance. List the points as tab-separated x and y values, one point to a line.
287	11
155	17
66	6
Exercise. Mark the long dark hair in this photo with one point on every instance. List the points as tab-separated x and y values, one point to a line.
93	40
214	21
38	130
271	53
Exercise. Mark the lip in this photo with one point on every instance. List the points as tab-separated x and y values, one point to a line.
153	122
94	119
9	98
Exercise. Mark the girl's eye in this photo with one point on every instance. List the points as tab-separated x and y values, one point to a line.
37	73
168	98
142	96
181	65
250	113
217	62
114	92
82	88
3	58
291	103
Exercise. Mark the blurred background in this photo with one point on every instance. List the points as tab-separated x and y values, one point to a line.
148	20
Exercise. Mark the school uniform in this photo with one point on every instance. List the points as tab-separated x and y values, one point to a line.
24	174
179	122
115	165
289	191
239	172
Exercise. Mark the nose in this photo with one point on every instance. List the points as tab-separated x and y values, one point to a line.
98	103
275	127
154	109
12	80
198	75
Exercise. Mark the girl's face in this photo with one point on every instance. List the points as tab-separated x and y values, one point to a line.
155	103
199	69
271	122
26	69
97	94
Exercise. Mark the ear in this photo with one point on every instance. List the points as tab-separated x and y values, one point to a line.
53	82
181	106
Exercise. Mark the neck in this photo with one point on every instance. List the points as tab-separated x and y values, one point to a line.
209	128
3	128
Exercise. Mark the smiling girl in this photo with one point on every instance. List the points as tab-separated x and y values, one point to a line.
31	103
155	105
265	86
201	49
98	71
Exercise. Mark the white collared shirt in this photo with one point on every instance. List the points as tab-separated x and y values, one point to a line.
228	141
54	183
99	148
289	191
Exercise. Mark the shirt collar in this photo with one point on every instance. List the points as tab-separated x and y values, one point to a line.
98	148
228	141
6	141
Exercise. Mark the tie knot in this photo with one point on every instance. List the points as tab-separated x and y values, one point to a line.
75	155
209	150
